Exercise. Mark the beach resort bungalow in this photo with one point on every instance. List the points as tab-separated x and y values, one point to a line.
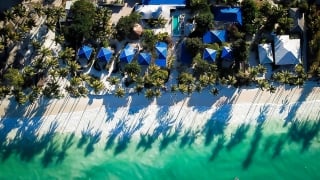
286	51
226	56
161	49
144	58
227	14
209	55
215	36
127	54
298	20
265	53
84	52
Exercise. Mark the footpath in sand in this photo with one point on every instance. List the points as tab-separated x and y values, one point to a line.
134	114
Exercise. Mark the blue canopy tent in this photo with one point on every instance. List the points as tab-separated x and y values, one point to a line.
185	56
161	48
214	36
227	54
209	54
161	62
104	54
127	54
85	52
164	2
228	14
144	58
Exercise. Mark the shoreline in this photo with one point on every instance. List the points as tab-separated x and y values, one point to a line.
135	115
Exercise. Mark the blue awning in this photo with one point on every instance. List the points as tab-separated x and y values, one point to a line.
127	54
144	58
227	54
228	14
214	36
85	52
161	48
209	54
161	62
104	54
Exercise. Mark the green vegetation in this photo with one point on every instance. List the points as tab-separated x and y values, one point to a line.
125	25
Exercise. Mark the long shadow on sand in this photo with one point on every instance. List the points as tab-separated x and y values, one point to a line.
217	123
188	138
238	136
217	148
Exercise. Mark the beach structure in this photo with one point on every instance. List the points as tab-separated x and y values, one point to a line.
209	54
144	58
161	49
265	53
85	52
214	36
228	14
226	54
298	20
104	54
286	51
127	54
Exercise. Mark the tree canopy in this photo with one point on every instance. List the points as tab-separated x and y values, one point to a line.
125	25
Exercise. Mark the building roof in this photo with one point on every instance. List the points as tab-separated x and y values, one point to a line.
161	48
85	52
104	54
265	53
144	58
228	14
287	51
209	54
214	36
298	19
227	54
164	2
127	54
161	62
154	11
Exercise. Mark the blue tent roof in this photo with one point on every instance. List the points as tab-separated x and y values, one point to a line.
185	56
209	54
85	52
161	62
144	58
104	54
228	14
127	54
161	48
215	36
164	2
226	54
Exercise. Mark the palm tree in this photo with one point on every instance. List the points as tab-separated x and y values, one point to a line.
183	88
97	86
119	92
285	77
20	97
74	67
174	88
52	89
232	80
63	72
83	91
214	91
138	88
263	84
75	81
67	55
261	69
149	94
114	80
35	93
253	73
204	80
272	89
157	93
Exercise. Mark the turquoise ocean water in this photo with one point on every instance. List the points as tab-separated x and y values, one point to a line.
264	151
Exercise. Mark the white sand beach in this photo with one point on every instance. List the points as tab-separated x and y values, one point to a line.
134	115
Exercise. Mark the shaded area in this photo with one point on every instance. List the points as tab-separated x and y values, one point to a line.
188	138
217	123
170	137
278	147
303	132
218	147
238	136
257	135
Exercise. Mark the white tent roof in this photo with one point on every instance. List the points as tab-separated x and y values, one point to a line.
154	11
287	51
265	53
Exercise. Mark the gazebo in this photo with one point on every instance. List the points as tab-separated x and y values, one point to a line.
104	54
127	54
144	58
209	54
85	52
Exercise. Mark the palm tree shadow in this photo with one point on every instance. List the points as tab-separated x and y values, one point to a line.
94	137
167	138
238	136
50	152
278	147
219	146
85	134
188	138
217	123
254	146
304	132
66	144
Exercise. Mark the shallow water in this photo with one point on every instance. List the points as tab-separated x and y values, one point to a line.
263	151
